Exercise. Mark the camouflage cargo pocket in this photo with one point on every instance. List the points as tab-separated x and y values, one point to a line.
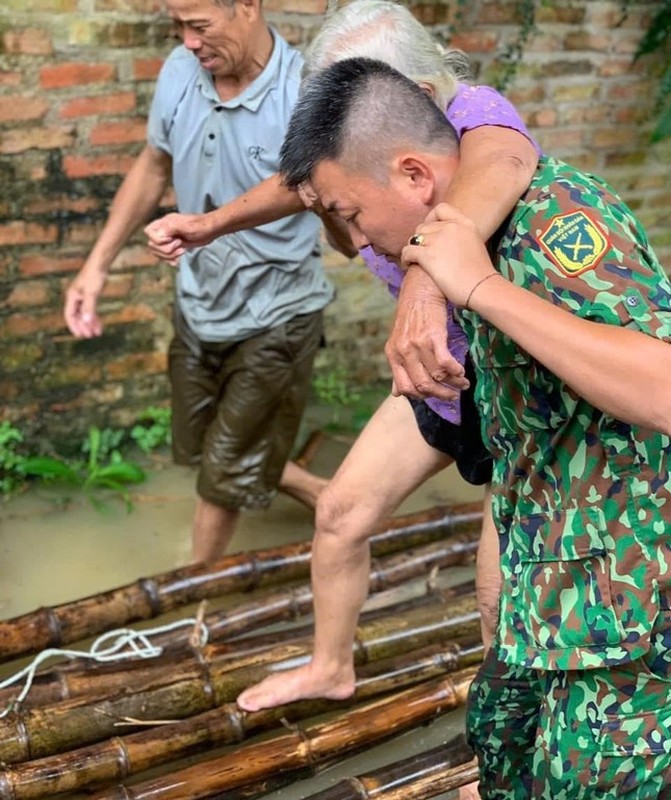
568	602
646	733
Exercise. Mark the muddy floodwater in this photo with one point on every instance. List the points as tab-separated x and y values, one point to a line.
56	547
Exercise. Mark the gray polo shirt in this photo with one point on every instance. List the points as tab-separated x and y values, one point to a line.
249	281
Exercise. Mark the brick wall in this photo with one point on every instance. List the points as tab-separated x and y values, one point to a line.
76	77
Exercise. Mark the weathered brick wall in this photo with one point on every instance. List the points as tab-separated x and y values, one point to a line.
76	77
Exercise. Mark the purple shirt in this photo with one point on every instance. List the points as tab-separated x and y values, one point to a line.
472	107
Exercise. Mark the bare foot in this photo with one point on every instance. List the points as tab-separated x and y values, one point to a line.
469	792
300	484
302	683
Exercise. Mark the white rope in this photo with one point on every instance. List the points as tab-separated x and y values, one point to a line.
127	643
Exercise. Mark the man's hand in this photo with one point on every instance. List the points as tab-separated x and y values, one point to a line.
421	363
174	234
451	252
81	298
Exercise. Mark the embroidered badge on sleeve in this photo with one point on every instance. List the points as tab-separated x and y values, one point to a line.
574	242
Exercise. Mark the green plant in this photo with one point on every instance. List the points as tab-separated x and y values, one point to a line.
153	429
108	440
657	39
11	461
332	387
104	469
511	57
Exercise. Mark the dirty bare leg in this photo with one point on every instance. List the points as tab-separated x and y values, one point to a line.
300	484
213	529
363	492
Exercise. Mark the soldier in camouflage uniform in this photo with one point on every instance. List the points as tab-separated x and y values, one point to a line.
568	314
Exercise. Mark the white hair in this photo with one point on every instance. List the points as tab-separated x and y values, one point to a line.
387	31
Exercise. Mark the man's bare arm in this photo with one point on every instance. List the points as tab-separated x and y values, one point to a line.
136	199
173	234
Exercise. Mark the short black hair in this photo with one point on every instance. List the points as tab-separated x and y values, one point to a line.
360	107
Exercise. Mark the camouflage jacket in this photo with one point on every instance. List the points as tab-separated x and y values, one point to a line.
582	501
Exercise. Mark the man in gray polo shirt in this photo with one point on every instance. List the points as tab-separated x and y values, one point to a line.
247	316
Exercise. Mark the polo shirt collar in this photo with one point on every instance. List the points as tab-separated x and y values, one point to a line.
254	94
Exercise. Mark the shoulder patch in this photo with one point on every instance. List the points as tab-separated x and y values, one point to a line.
574	242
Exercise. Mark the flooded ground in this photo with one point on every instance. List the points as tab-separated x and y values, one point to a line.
55	548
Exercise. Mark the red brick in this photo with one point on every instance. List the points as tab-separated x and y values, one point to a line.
79	205
29	293
543	44
117	286
475	41
497	14
147	69
584	40
531	93
139	6
138	255
137	313
83	167
587	161
588	115
129	131
39	264
19	232
295	6
10	78
27	41
50	6
545	118
21	139
631	114
560	141
617	137
631	92
556	12
25	324
101	105
82	233
75	74
614	67
14	108
136	364
156	285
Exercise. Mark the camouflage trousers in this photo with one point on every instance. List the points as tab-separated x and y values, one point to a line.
576	735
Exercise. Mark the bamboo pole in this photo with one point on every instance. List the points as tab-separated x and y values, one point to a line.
122	756
148	598
351	731
403	779
81	679
294	603
432	785
33	733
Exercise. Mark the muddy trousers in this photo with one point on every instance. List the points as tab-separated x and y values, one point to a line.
574	735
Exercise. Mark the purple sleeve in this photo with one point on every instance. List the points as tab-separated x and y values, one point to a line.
475	106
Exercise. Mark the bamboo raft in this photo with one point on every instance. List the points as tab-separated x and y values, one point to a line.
101	727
